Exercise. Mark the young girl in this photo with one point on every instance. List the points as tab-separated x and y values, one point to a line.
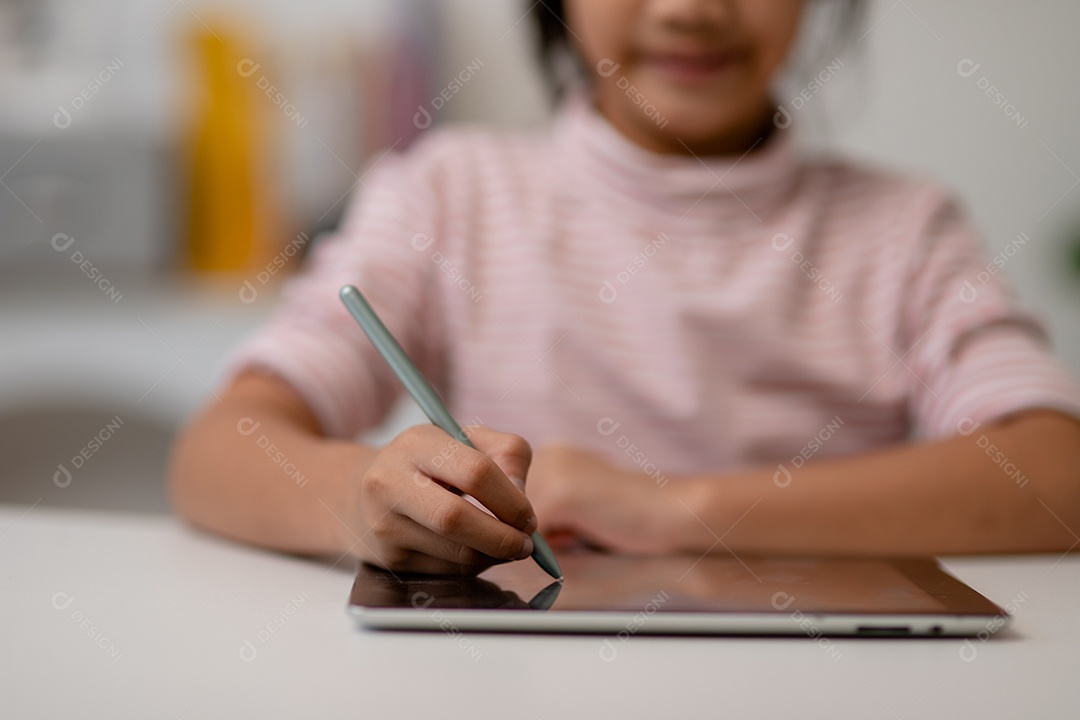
700	340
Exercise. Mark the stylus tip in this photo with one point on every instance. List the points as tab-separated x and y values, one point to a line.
544	557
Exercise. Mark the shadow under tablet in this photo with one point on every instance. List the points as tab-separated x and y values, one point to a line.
684	594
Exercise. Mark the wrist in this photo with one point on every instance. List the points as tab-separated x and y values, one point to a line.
699	514
343	464
665	510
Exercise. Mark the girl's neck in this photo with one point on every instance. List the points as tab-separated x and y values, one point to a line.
736	142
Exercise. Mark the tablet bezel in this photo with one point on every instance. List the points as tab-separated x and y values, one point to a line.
966	612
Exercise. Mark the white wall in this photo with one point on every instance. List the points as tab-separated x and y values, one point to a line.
900	101
922	114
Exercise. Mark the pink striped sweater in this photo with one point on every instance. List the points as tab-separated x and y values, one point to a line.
676	314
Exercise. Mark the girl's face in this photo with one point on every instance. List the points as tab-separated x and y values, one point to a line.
695	72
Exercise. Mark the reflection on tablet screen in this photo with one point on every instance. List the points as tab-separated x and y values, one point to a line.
600	582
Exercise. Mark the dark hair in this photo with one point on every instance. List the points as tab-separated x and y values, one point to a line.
557	54
553	40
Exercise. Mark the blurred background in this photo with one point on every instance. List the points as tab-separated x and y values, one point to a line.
165	163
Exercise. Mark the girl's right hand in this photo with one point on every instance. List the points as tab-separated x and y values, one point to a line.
405	513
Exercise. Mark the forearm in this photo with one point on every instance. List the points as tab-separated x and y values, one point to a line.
255	467
941	497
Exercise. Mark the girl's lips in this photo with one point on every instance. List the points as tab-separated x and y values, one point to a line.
691	67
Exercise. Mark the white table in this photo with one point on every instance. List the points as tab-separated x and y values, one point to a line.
129	616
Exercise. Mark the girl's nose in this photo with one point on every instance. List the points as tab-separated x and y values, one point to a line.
693	15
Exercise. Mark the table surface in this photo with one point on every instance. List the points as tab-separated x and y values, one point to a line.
125	615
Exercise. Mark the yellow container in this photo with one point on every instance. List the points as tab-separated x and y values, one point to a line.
228	190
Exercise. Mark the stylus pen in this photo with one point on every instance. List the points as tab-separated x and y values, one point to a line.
425	396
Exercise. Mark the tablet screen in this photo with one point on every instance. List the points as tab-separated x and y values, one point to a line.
686	584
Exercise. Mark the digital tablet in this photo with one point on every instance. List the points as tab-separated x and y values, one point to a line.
684	595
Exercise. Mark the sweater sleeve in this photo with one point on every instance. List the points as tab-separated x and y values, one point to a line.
311	341
972	354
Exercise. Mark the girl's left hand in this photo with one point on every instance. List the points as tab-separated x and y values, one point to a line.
580	497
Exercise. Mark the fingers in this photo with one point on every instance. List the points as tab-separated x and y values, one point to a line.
480	473
510	452
414	520
401	543
454	519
